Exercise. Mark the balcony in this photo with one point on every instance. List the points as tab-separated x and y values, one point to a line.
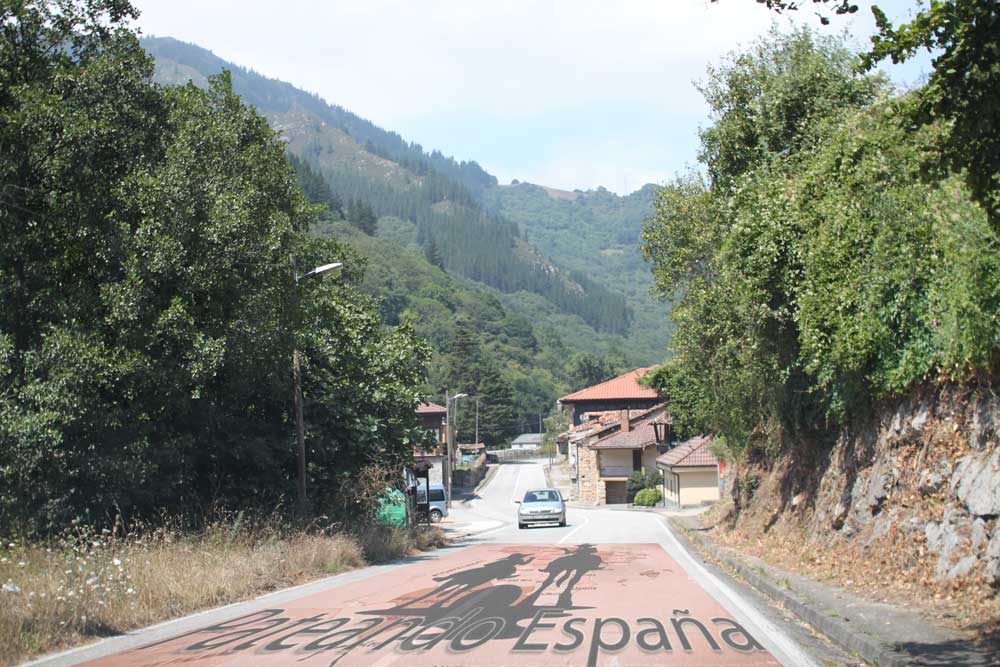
615	471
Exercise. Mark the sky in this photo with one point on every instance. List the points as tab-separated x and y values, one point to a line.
572	94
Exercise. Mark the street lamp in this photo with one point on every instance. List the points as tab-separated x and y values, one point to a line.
318	272
449	443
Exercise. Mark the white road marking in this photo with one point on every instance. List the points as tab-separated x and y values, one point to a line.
573	532
791	653
517	478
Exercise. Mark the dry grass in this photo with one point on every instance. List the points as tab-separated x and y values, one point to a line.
87	584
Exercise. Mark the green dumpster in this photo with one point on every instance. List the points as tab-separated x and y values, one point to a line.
391	510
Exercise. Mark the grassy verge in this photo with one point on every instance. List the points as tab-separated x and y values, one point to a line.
88	584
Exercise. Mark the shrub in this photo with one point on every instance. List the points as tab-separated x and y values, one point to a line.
648	497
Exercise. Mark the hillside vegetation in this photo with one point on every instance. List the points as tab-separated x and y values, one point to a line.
596	234
439	195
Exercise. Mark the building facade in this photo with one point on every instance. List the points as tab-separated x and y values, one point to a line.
607	458
690	474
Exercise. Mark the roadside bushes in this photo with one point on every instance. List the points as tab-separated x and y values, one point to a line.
648	497
638	482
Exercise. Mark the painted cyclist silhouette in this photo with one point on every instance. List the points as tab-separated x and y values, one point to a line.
456	583
567	569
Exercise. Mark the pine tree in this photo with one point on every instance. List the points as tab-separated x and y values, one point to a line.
433	254
497	420
361	215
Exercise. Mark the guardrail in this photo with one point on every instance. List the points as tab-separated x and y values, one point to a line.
517	454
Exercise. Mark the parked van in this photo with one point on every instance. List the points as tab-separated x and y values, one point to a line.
438	501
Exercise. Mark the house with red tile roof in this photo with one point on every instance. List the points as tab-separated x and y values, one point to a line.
690	473
432	418
609	454
621	393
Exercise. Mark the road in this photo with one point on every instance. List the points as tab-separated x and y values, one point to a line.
613	587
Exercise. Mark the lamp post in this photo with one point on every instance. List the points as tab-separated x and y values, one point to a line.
300	428
449	443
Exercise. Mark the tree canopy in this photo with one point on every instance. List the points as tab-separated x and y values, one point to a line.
148	313
829	270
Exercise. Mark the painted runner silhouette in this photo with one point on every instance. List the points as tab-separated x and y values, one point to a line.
459	582
569	568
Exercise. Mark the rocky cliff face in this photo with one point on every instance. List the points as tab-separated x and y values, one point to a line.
916	486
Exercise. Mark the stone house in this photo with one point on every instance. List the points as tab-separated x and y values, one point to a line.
609	456
690	473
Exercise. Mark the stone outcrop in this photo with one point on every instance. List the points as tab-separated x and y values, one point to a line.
927	467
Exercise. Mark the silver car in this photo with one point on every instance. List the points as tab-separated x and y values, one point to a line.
541	506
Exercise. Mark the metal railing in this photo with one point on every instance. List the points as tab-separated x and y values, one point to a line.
517	454
615	471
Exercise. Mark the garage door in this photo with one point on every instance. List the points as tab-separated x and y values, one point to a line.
616	492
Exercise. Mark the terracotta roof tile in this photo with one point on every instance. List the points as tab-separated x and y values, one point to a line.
636	438
640	435
609	419
622	387
689	454
431	409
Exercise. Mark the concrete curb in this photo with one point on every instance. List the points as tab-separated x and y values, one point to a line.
839	631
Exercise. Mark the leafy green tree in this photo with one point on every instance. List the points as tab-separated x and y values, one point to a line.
148	315
764	100
964	87
823	277
964	35
587	369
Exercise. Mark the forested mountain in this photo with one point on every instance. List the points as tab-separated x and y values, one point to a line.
177	62
475	267
594	233
477	341
438	194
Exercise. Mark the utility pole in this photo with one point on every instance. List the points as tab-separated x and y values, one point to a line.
300	428
447	450
450	444
477	420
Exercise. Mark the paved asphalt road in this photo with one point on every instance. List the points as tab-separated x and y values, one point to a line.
613	587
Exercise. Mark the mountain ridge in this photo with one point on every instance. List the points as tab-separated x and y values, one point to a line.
454	203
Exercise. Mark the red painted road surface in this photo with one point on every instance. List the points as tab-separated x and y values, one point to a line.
621	604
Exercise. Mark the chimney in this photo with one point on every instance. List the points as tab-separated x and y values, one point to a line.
626	427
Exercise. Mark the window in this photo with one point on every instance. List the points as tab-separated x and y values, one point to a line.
437	495
636	459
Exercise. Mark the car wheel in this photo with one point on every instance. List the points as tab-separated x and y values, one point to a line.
562	524
436	516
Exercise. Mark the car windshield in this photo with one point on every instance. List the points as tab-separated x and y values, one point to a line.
541	497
